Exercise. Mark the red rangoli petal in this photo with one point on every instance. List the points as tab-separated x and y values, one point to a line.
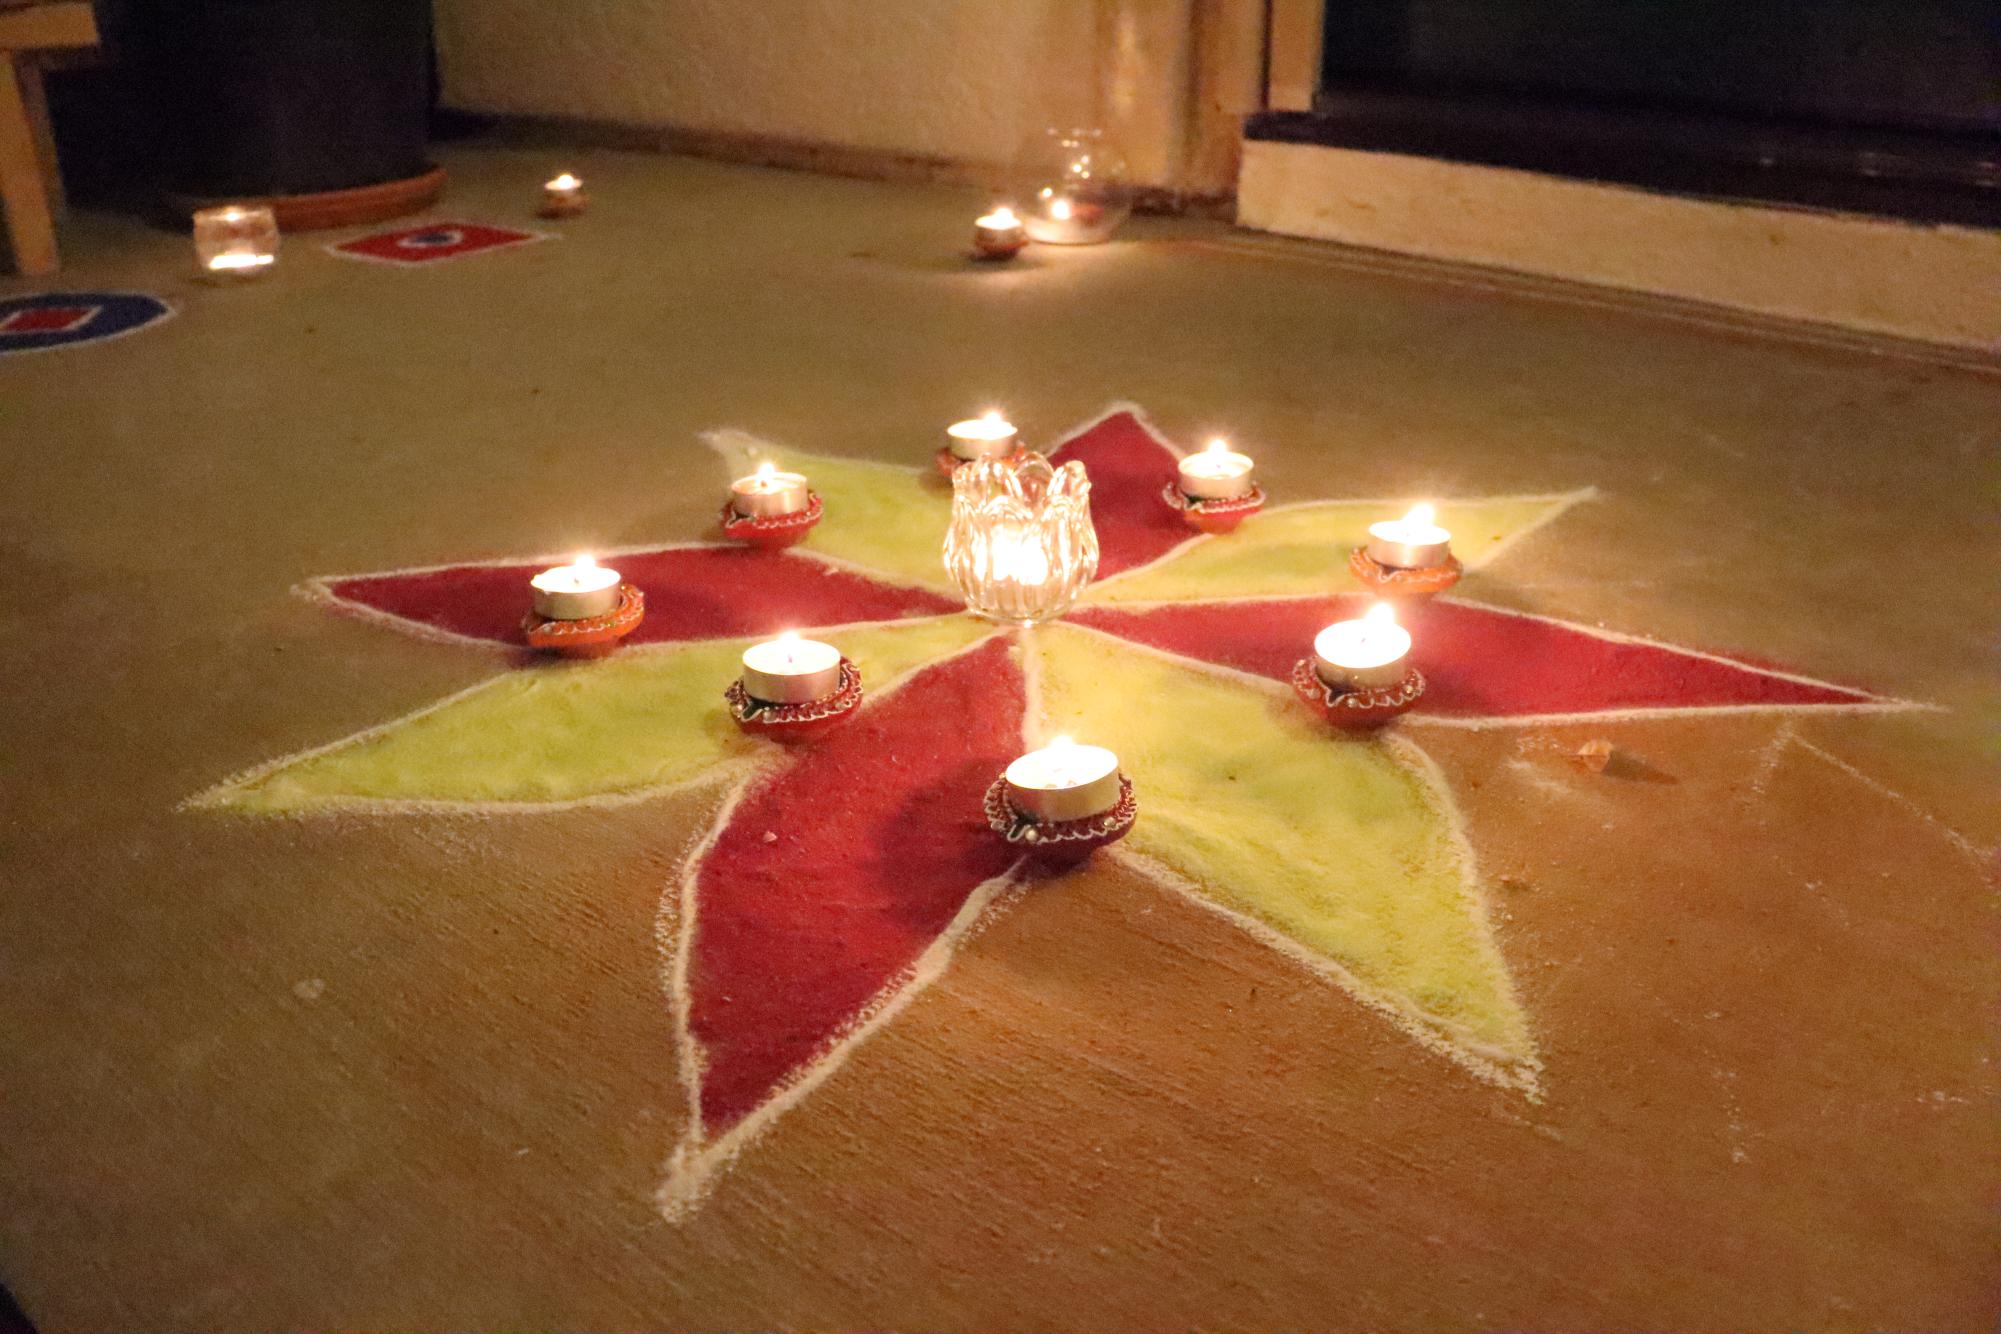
880	841
691	593
1480	662
1128	466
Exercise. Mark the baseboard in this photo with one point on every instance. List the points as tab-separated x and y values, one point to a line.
758	150
1931	283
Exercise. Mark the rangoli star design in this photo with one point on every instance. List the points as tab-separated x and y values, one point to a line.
836	880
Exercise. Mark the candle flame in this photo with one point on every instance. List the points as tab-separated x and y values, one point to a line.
564	182
789	637
1421	514
586	563
992	417
1060	210
1218	446
766	468
1002	216
1381	614
1059	742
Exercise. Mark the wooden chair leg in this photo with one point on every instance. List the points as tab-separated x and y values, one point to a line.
35	94
23	192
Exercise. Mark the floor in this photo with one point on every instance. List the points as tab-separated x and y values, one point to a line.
353	1072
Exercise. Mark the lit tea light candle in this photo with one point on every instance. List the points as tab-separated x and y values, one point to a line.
236	240
988	436
1217	473
768	492
999	234
563	197
1412	542
575	592
791	670
1064	781
1362	654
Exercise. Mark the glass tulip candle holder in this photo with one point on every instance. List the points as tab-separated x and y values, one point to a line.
1075	187
1021	547
236	241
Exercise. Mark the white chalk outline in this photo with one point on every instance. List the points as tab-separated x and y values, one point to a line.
1869	702
695	1161
222	795
1521	1073
168	310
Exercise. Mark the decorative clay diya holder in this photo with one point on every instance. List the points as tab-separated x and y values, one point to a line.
772	530
1213	516
797	722
949	463
1392	581
1058	843
1358	709
566	206
592	637
997	252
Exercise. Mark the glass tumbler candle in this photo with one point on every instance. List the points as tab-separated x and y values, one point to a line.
1021	547
236	240
1074	187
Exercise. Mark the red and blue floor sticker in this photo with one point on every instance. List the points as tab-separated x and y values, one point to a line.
433	242
47	320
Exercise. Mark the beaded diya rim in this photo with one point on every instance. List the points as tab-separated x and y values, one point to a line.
567	208
1212	515
990	252
1364	706
1397	581
591	635
1017	826
949	463
763	716
772	530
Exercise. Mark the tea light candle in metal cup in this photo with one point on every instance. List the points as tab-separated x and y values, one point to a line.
1064	781
1363	654
575	592
1218	473
767	493
999	234
563	197
1413	542
236	240
791	670
988	436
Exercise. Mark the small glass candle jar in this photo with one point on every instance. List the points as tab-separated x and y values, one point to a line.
236	240
1075	188
1021	547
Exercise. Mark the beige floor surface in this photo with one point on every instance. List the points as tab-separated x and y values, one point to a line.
1765	990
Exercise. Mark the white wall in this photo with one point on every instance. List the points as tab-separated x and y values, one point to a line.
958	80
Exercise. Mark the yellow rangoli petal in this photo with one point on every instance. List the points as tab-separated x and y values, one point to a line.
643	721
1299	550
1346	847
887	519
